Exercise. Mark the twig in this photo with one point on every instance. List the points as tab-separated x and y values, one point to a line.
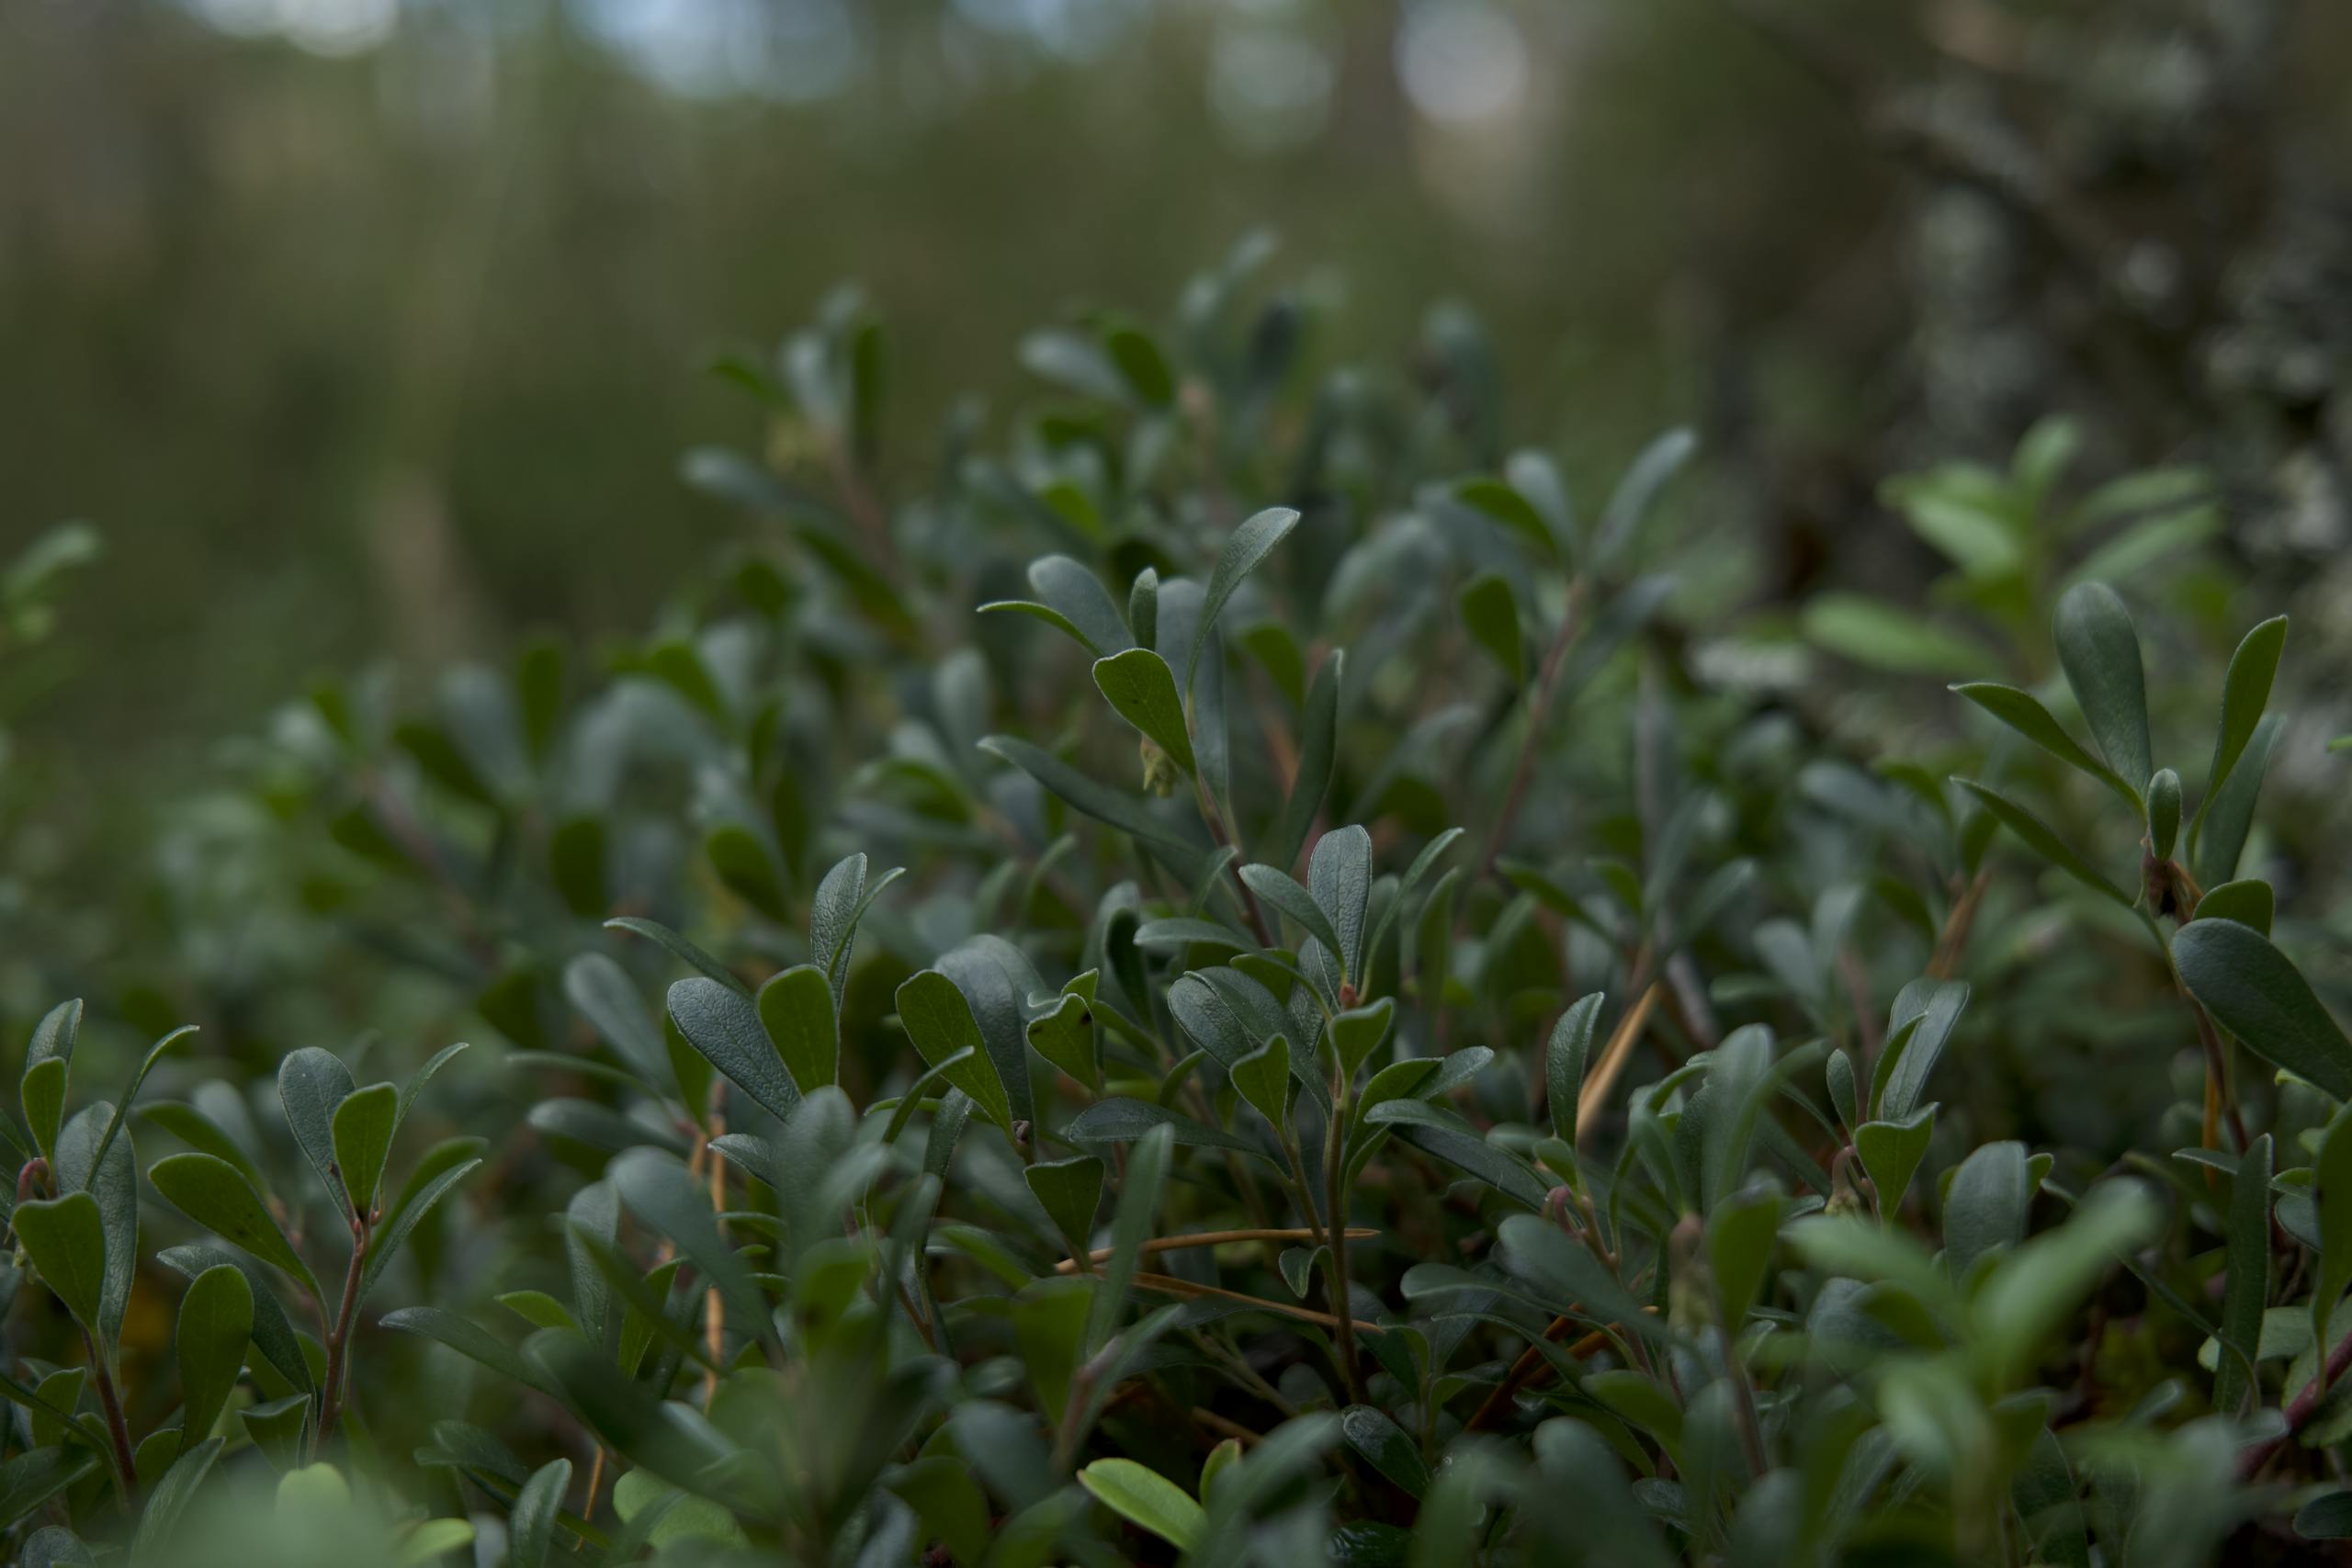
126	1467
2299	1410
1169	1285
1539	707
1614	1056
1225	1427
1335	1213
1952	940
1533	1364
1213	1239
339	1336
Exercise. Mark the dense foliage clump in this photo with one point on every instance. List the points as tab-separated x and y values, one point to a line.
1223	971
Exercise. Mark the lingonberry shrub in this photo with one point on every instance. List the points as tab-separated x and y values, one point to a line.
1221	969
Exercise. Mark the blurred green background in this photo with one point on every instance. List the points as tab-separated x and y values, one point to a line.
365	324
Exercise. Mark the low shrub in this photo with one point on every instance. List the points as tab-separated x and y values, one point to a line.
1228	977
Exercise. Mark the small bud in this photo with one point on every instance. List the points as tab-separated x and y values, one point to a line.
1159	773
2164	812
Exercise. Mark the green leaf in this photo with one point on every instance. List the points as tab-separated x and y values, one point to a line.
1385	1447
679	947
2332	1190
2022	712
601	991
724	1026
576	865
1339	873
2030	1291
1490	615
2100	653
1741	1231
197	1130
2247	1291
1449	1139
657	1189
67	1245
1078	602
1566	1056
2041	839
2218	837
1117	810
1263	1078
530	1528
1926	1013
1637	492
311	1084
114	1183
162	1048
158	1523
1985	1208
842	897
210	1192
216	1323
938	1019
1249	543
2245	691
1886	637
362	1131
1121	1119
1359	1031
2249	903
1132	1222
1276	888
1506	506
1069	1191
273	1333
1318	746
41	1092
1145	1498
745	868
1567	1276
414	1202
796	1007
2254	992
2164	812
1891	1152
1141	689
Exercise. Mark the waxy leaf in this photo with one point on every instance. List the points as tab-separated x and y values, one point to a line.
724	1026
530	1531
2254	992
796	1007
67	1245
2245	691
1250	542
2332	1189
1385	1447
1145	1498
1566	1057
1263	1078
311	1084
1069	1191
2249	903
938	1019
2022	712
210	1192
2041	839
2246	1290
362	1131
1276	889
1141	689
216	1323
2100	653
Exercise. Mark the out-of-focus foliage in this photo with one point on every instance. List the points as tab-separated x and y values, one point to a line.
1235	971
